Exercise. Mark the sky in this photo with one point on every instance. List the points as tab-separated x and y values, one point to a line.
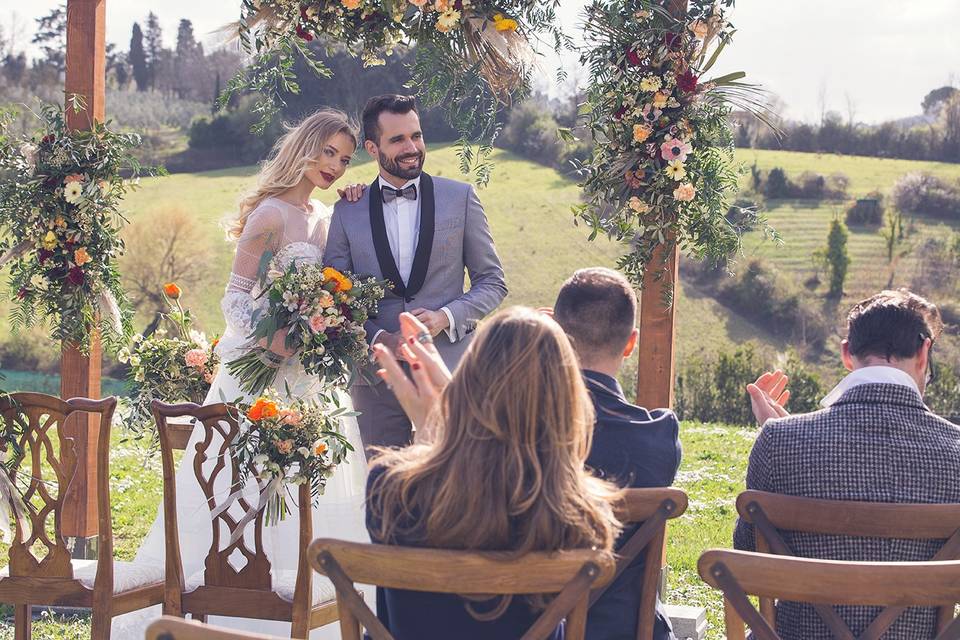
877	58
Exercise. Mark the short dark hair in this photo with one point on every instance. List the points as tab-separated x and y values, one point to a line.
597	309
390	102
892	324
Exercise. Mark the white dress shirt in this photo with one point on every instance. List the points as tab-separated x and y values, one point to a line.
874	374
401	217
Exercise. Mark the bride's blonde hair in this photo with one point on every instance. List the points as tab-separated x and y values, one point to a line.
290	158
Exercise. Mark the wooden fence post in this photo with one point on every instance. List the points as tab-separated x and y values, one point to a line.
80	373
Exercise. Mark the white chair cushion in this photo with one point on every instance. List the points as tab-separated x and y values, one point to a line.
127	576
283	585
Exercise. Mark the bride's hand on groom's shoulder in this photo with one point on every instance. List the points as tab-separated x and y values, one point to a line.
352	192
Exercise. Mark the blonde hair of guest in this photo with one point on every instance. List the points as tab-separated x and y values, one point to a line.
289	160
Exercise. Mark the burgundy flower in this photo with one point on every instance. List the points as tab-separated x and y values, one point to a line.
687	81
48	139
75	276
43	255
618	114
633	58
672	40
22	293
458	5
303	33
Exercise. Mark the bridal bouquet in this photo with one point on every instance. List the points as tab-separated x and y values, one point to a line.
177	367
286	445
322	312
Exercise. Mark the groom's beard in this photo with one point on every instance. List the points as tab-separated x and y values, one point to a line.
393	167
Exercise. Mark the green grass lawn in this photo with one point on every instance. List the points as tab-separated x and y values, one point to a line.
712	473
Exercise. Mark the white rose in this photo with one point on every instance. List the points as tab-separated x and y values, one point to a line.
137	338
304	452
260	459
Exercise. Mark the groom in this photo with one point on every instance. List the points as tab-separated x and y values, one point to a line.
418	232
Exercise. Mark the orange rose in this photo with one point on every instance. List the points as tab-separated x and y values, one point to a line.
172	290
259	409
343	282
81	257
270	410
319	448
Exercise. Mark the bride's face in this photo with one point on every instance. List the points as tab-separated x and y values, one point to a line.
333	161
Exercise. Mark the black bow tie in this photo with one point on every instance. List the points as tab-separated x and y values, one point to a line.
390	194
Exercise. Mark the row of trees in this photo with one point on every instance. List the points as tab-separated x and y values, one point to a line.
185	71
933	136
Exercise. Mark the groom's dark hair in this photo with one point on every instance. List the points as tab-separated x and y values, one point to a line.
392	103
597	309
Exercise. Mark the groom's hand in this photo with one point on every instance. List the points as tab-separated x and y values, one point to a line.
391	342
435	321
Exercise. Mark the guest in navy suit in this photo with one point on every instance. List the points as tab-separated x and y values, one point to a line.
632	446
497	464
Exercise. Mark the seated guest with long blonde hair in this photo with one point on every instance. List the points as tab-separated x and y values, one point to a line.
497	465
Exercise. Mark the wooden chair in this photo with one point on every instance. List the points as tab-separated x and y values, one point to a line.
41	571
569	574
739	574
651	508
171	628
772	513
222	589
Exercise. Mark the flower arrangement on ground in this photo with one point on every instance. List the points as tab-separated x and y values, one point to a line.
287	444
471	55
322	312
60	216
170	367
662	169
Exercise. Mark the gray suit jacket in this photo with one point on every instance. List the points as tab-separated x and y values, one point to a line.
454	235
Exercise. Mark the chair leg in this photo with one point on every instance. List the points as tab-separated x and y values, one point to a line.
22	621
100	625
300	625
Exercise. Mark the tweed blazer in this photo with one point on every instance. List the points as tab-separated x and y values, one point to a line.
876	443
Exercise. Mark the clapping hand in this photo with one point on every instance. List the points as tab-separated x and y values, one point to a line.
419	392
769	396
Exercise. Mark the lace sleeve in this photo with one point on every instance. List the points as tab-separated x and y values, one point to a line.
262	234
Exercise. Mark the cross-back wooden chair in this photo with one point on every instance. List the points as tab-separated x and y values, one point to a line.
171	628
771	513
41	571
739	574
650	508
569	574
253	590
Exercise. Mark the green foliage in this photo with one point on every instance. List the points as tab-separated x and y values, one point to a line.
60	214
715	389
921	192
943	394
229	135
662	168
809	185
469	60
838	261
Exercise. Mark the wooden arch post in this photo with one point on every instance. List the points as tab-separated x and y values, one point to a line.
655	373
79	372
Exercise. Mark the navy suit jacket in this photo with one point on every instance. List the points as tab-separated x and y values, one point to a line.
634	448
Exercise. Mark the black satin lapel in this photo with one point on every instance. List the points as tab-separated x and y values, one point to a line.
388	266
428	215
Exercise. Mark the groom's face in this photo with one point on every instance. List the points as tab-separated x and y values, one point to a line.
399	150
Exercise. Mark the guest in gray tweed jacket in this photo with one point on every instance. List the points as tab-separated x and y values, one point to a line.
422	233
875	441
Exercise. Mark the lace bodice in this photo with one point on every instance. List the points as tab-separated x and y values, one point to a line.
278	228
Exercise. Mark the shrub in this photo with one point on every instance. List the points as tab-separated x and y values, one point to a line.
228	135
808	186
926	193
758	294
777	186
714	390
838	260
943	394
531	132
866	211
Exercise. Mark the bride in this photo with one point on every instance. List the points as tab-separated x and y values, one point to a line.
277	221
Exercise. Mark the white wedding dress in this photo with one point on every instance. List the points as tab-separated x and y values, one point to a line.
290	234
